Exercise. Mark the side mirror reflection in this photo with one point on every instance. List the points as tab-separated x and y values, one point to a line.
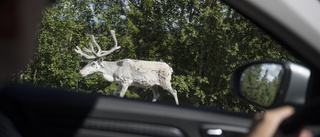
259	83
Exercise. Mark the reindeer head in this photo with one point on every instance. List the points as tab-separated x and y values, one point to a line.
96	57
91	67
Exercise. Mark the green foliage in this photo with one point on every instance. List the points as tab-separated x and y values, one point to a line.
202	40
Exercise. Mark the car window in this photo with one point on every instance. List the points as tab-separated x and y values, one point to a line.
202	41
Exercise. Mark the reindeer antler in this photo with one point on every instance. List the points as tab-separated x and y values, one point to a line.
115	47
83	55
100	53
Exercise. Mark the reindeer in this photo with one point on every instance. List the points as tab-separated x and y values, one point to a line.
127	72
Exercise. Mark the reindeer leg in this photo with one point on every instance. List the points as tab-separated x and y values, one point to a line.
123	90
117	90
125	84
172	91
175	96
156	94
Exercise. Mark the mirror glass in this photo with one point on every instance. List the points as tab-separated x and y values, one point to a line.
259	83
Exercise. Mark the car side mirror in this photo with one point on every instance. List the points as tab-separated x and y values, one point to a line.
269	84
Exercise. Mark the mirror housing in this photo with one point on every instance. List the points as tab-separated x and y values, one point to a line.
269	84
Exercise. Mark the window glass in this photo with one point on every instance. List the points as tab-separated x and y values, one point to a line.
202	41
